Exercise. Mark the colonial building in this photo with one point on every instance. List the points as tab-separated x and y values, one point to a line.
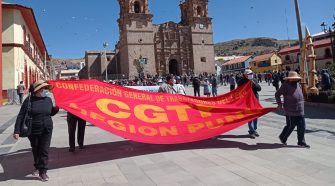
168	48
96	63
24	53
323	53
267	62
236	65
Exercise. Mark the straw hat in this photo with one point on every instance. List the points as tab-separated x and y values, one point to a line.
40	84
293	75
248	71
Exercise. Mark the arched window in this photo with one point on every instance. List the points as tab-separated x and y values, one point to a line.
137	7
199	12
328	53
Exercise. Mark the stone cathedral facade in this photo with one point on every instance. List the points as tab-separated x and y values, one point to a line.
169	48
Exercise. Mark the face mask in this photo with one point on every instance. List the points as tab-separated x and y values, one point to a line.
45	93
250	76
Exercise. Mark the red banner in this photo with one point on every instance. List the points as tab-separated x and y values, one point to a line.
156	117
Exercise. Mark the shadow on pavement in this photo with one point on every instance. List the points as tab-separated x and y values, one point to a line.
312	112
18	165
319	130
233	136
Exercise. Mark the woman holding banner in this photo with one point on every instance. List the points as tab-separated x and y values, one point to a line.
41	130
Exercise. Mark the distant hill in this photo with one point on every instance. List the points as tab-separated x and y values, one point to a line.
251	46
67	63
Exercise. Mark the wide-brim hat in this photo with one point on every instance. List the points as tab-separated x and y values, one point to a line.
40	84
248	71
293	75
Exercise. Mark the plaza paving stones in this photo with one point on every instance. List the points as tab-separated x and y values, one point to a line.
229	159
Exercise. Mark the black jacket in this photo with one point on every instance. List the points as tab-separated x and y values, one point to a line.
196	82
41	111
255	86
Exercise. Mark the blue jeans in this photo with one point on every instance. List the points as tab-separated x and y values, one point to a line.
252	126
214	91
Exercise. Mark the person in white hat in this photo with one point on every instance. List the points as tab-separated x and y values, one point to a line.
248	76
41	110
180	89
294	108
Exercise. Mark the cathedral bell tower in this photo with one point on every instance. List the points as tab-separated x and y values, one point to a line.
194	14
136	48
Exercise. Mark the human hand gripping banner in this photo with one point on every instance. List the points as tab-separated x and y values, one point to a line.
157	118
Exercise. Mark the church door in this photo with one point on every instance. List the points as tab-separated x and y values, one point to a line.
173	67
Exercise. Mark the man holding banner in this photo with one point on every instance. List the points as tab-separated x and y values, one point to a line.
294	108
248	76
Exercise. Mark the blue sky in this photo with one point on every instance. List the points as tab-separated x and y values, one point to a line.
70	27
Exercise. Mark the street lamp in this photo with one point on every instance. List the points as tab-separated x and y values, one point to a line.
116	61
105	45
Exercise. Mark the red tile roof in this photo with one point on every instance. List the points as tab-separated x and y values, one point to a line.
317	44
237	60
263	57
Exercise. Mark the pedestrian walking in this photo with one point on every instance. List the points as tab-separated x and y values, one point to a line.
207	91
214	86
180	89
72	122
232	82
326	83
248	76
41	130
276	79
294	108
167	87
196	86
20	91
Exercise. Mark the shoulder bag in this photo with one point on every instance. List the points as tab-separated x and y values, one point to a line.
26	123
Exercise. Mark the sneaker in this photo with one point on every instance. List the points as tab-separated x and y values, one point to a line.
256	134
71	149
43	177
81	147
252	136
282	141
304	145
35	172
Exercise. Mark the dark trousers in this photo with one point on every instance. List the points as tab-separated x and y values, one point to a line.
72	121
197	91
232	87
291	122
40	146
20	97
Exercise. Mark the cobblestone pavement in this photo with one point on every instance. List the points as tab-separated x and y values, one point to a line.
230	159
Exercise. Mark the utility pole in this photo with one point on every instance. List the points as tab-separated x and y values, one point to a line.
105	45
297	12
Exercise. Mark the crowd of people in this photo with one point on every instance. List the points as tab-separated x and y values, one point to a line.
42	108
